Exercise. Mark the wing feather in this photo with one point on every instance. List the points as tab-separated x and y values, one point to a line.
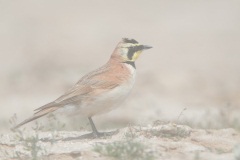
93	84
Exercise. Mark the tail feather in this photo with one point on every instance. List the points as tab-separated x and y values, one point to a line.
46	106
37	115
26	121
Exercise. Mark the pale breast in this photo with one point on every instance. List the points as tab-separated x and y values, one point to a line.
111	99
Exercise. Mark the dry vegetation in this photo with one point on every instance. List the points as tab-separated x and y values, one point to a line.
159	140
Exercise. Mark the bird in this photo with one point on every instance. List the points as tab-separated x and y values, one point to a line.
101	90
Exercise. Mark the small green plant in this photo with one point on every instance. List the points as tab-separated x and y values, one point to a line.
131	133
125	150
54	123
181	114
29	141
8	155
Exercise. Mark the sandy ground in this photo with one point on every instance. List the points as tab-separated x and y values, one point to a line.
160	141
47	46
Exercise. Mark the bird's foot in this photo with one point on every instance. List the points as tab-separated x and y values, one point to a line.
104	134
92	135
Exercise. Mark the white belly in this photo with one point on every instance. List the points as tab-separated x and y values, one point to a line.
108	101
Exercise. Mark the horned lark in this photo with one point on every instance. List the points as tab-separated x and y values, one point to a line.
100	90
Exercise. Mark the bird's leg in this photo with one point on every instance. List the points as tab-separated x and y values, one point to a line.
97	134
94	134
94	129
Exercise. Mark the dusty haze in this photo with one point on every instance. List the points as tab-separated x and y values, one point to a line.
47	46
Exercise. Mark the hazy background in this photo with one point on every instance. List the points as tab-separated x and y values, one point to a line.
46	46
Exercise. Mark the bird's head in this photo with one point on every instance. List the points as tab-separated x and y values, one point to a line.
128	50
